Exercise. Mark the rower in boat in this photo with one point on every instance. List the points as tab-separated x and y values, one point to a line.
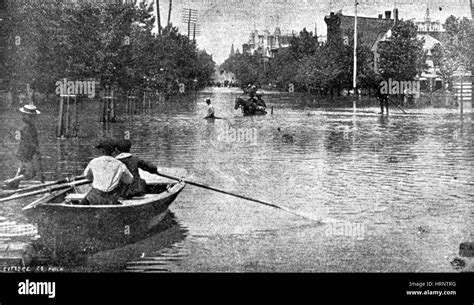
255	100
133	163
109	176
210	110
260	102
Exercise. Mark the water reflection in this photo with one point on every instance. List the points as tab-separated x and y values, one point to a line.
106	256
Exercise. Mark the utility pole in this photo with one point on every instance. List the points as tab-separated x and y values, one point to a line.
355	57
462	94
196	31
189	16
189	24
169	13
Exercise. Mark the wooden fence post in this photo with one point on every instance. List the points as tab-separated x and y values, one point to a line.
59	132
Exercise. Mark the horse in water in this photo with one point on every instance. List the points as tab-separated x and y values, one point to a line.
249	107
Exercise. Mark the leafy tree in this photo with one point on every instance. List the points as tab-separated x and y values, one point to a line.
108	42
401	55
456	47
306	65
31	56
283	69
246	68
305	44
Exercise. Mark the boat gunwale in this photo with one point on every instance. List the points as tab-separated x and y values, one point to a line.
174	190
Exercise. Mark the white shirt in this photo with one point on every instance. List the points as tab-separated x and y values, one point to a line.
106	172
210	110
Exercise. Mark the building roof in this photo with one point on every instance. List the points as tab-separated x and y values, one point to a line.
369	29
430	42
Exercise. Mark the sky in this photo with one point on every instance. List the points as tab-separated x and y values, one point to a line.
226	22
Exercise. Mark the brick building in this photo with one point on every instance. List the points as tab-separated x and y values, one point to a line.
340	28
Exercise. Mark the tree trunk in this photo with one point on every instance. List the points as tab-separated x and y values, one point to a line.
158	19
169	12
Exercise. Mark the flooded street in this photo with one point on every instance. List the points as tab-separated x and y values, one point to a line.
393	194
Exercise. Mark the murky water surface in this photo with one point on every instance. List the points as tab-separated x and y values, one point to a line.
393	194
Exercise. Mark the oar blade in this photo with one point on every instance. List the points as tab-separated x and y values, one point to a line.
303	215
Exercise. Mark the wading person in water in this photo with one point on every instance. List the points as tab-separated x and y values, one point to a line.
383	99
109	176
133	163
210	109
28	150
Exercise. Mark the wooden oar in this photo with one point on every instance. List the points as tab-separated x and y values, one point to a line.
242	197
47	190
46	198
6	193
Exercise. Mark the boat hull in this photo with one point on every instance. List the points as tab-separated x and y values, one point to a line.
66	227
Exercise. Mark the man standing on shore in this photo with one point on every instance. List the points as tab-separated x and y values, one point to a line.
28	150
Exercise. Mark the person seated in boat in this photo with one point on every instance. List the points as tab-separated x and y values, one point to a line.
109	176
260	103
210	110
256	102
252	105
253	90
133	163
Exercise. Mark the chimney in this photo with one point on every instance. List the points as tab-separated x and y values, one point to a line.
388	14
395	14
380	16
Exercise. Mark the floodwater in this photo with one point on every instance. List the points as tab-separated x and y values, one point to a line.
392	194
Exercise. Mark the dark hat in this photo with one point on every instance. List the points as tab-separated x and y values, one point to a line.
30	109
208	100
107	144
124	145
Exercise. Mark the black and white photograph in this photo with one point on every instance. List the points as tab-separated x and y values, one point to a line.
161	137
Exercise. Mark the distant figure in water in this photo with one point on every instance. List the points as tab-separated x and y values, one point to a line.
383	99
210	109
133	163
28	151
286	136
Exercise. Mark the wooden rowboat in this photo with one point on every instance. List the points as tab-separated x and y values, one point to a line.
66	225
